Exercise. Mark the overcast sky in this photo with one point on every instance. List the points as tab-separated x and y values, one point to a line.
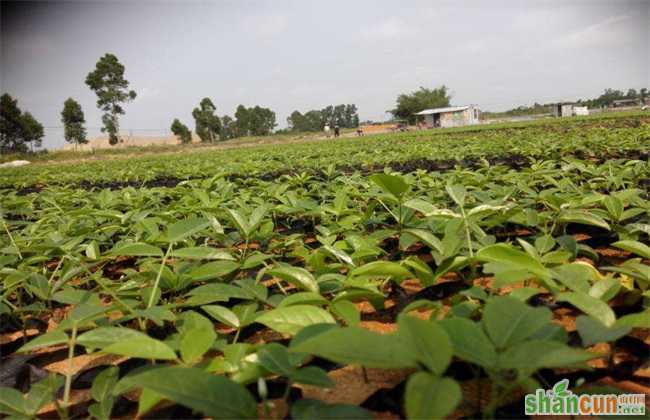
306	54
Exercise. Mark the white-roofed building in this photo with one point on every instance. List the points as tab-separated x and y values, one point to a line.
452	116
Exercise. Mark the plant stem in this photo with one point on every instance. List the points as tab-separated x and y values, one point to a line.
68	375
287	390
155	284
11	238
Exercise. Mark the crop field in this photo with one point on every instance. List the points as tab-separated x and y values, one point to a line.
421	275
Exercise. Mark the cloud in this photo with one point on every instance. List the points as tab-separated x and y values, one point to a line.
609	32
265	26
389	30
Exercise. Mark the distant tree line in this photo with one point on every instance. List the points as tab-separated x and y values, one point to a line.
606	99
345	116
210	128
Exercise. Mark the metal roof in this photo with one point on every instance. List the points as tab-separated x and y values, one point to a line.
442	110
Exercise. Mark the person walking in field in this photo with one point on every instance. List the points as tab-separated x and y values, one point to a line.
337	132
327	130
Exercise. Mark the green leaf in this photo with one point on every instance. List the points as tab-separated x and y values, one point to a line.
391	184
590	305
137	249
584	218
291	319
186	228
593	331
532	355
457	193
195	342
428	342
304	298
470	342
12	402
634	247
275	358
213	270
637	320
312	375
512	259
427	238
92	250
126	342
240	222
524	293
297	276
431	397
222	292
104	383
222	314
355	345
605	289
202	253
508	321
347	311
382	269
52	338
308	409
213	396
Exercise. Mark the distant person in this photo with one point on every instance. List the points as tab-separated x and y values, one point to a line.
337	131
327	130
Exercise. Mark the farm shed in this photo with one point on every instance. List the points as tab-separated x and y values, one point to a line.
562	110
568	110
454	116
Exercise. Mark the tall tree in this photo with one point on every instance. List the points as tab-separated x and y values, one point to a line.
18	130
410	103
181	131
207	124
227	127
242	123
256	121
112	89
73	121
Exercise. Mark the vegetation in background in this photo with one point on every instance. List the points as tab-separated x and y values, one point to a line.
72	117
410	103
181	131
108	82
207	124
19	131
345	116
605	100
254	121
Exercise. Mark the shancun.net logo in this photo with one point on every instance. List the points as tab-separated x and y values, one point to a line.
560	400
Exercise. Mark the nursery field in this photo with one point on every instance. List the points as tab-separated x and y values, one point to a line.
419	275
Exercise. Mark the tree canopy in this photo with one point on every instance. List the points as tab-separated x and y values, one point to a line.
18	129
181	131
207	124
112	89
345	116
410	103
72	117
255	121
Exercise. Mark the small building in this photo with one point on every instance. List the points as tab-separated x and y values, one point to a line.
562	110
453	116
569	110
